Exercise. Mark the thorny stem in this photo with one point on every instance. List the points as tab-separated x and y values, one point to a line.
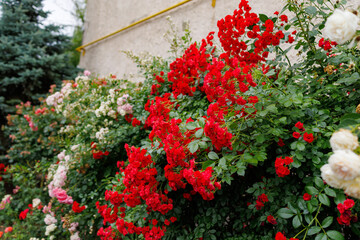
306	36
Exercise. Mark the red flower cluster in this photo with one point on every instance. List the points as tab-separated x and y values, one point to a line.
220	137
345	212
326	45
280	168
76	207
271	220
233	27
2	170
23	214
308	137
280	236
261	200
141	186
31	123
185	71
135	122
40	111
97	154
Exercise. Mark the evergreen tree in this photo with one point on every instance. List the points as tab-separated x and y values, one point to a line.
32	55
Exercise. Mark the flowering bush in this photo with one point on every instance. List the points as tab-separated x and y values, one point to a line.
225	142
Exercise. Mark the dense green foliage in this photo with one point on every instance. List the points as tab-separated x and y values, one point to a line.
263	181
32	54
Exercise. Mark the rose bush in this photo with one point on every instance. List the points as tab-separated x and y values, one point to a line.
223	142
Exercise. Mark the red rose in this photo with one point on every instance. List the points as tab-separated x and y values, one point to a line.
299	125
281	143
23	214
296	135
308	137
280	236
307	197
76	207
348	203
271	220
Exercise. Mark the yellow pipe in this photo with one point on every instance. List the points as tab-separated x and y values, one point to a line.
131	25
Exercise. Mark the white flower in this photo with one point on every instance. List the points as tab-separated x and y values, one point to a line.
36	202
61	155
50	229
50	219
75	147
121	111
341	26
353	188
75	236
330	178
345	164
344	139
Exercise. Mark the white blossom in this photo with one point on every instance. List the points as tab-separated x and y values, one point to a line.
343	139
345	164
341	26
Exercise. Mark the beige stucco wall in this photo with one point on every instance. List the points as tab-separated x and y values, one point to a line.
106	16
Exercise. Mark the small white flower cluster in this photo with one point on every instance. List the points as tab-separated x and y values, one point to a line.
105	109
49	229
84	80
55	99
100	135
341	26
72	229
36	202
123	106
6	199
343	169
67	129
50	219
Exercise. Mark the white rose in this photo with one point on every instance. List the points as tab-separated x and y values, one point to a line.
341	26
345	164
75	236
344	139
353	188
50	228
36	202
330	178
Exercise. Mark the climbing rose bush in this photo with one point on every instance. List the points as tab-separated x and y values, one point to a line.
224	142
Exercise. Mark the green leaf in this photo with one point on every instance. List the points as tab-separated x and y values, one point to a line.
340	197
300	146
330	192
313	230
191	125
199	133
282	120
311	10
296	222
193	146
335	235
272	108
263	17
319	182
349	80
222	162
310	207
327	222
213	155
311	190
321	236
285	213
324	199
207	163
